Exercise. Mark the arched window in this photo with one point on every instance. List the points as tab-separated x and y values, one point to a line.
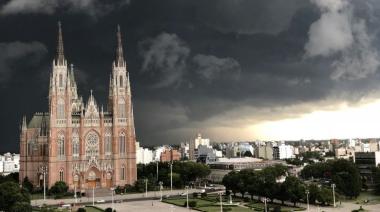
60	81
122	143
92	144
30	148
108	143
121	81
61	145
61	109
75	143
122	108
61	175
122	173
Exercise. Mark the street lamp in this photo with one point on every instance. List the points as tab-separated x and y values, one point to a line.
146	187
221	202
265	204
187	196
93	196
112	190
160	183
157	169
171	176
75	193
307	199
44	170
333	188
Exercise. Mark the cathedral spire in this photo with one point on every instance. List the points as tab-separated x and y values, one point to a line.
119	50
60	57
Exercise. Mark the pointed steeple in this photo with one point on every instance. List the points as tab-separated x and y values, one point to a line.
119	62
23	126
60	57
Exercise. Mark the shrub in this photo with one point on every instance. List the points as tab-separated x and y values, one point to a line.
246	199
195	194
204	195
59	187
27	185
277	208
192	204
108	210
227	209
81	210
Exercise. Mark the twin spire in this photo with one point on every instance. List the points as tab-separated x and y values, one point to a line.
60	57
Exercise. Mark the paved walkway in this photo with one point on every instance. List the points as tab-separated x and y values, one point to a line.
144	206
125	197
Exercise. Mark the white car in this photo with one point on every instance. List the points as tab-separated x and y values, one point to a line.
100	201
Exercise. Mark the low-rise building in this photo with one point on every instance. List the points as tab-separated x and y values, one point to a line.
170	155
9	163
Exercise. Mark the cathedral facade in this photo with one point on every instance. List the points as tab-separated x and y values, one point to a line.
80	143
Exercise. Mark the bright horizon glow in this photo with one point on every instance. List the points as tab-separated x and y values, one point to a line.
345	122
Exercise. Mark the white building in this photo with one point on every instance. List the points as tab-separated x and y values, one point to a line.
157	153
285	151
143	155
201	141
9	163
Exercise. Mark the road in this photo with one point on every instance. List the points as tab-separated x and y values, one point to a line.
125	198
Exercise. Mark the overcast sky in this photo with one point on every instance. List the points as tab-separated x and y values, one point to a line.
230	69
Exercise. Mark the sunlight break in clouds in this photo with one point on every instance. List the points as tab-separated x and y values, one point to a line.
345	122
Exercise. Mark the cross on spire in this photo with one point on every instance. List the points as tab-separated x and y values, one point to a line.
60	57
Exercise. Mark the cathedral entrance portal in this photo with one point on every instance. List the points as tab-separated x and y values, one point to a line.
93	178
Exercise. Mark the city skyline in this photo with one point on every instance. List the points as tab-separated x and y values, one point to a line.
288	71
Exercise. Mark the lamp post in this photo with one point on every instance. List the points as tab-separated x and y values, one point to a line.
307	199
44	169
75	193
265	204
333	189
112	190
160	183
146	187
221	202
93	196
187	196
171	176
157	169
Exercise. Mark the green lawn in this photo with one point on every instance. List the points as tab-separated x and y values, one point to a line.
210	204
260	206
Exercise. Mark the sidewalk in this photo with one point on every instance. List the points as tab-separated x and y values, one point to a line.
124	197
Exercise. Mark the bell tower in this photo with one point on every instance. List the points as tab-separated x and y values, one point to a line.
120	105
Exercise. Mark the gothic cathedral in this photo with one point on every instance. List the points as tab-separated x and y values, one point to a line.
81	144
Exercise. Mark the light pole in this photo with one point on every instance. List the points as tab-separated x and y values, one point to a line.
44	173
307	199
112	189
146	187
93	196
157	169
75	193
160	190
265	204
187	196
333	188
221	202
171	176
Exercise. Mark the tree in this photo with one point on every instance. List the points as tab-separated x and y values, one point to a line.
59	188
27	185
12	197
325	196
21	207
295	189
313	193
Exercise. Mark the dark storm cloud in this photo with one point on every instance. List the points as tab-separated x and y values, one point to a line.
196	65
14	52
91	7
